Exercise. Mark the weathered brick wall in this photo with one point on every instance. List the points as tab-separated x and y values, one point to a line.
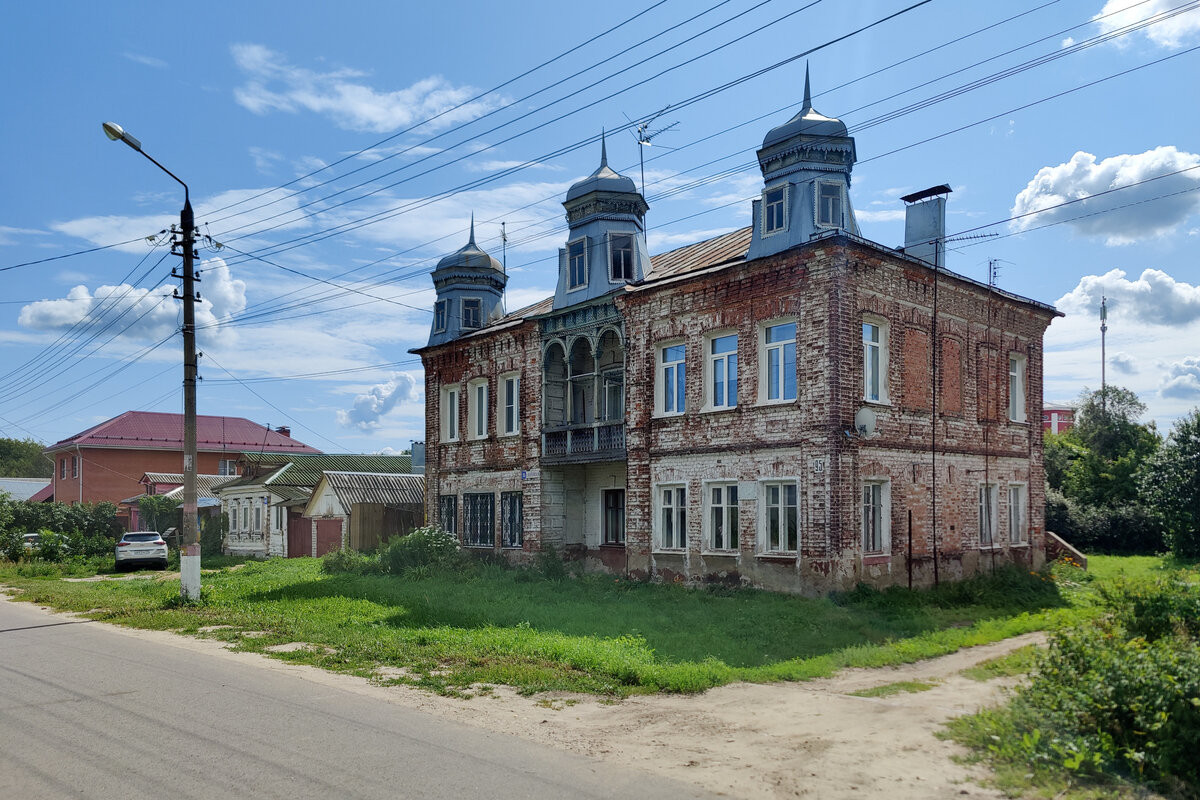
831	289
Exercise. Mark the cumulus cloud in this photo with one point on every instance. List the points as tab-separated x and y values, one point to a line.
275	85
1123	363
880	215
1182	380
1155	298
380	399
1173	31
1113	216
138	314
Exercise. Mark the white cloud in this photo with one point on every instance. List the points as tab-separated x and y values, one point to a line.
275	85
379	400
149	61
138	314
886	215
1173	33
8	234
1123	363
264	159
498	166
1182	380
1112	216
278	209
1067	42
1155	298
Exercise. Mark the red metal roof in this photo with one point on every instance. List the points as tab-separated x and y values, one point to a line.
159	431
43	495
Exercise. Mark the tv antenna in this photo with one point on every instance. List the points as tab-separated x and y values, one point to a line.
644	136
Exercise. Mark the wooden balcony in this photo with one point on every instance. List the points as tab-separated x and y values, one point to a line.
580	443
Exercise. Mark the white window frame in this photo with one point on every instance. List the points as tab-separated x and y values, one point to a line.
1017	382
765	349
882	349
572	285
841	190
670	501
718	364
440	312
632	256
765	505
508	405
463	313
664	370
1018	514
477	403
880	505
75	466
723	512
227	467
766	210
987	539
451	398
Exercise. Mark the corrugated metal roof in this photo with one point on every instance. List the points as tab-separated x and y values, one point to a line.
386	489
279	469
161	431
724	249
23	488
205	484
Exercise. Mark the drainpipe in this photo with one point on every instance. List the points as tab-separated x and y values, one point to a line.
79	478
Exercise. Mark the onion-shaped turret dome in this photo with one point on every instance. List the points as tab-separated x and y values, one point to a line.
470	255
604	179
808	122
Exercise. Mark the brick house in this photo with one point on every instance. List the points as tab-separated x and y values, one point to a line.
788	405
106	462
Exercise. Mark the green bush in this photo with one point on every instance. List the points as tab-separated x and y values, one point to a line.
350	561
1117	700
1112	530
422	547
12	546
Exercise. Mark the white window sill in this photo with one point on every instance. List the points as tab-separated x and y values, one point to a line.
660	551
670	415
717	409
780	554
781	402
884	403
719	553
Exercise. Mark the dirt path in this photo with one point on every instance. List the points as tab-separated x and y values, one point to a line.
787	740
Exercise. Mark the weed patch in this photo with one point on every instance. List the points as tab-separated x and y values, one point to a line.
889	689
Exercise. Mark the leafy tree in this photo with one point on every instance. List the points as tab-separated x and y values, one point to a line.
157	513
1113	447
1170	483
1060	451
22	458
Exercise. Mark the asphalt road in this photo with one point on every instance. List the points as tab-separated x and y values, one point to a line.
87	711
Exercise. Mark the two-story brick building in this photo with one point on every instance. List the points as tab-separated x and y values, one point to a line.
788	405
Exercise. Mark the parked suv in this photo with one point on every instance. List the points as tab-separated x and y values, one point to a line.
141	547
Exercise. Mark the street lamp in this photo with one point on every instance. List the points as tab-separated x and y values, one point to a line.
189	552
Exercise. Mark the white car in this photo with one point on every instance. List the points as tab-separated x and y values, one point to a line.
141	547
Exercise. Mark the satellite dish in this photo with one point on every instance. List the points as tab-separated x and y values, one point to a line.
864	423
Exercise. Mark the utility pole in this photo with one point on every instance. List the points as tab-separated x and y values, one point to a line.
1103	359
189	551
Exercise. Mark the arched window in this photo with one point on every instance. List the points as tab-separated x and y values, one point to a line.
611	369
554	386
583	382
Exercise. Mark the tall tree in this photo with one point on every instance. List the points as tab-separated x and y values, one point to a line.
1170	483
22	458
1115	447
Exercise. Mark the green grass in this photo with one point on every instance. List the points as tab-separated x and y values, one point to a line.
899	687
1010	665
492	625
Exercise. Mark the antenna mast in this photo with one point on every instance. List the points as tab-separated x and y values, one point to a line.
644	135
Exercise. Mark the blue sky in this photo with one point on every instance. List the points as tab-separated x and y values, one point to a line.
338	150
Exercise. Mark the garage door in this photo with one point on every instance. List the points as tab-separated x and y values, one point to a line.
329	536
299	533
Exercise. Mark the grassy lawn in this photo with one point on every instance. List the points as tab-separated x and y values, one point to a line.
491	625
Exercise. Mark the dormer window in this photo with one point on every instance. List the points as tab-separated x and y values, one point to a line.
472	313
621	257
829	205
774	210
577	264
439	316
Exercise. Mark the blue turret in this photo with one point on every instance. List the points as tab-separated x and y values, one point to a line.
806	165
470	292
606	245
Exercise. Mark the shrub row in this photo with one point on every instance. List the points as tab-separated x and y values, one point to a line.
1115	530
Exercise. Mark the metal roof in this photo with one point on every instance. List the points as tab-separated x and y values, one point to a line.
22	488
724	249
161	431
386	489
277	470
